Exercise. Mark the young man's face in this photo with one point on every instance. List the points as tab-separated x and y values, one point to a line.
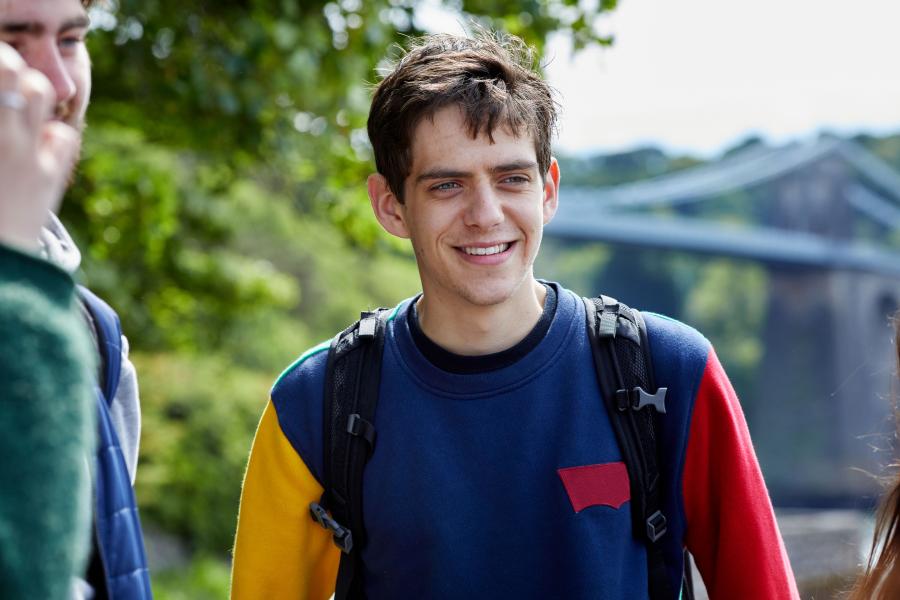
49	34
474	210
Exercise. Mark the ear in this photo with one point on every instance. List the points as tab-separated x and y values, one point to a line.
551	191
387	208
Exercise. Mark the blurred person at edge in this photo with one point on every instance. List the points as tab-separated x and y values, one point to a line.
881	578
46	377
48	37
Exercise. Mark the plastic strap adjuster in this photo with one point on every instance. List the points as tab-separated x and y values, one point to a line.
359	427
342	536
637	399
367	324
609	318
657	525
640	399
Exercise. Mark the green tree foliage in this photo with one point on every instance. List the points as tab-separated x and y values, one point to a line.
728	303
206	578
198	416
156	232
575	265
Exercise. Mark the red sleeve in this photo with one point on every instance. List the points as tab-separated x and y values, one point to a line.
731	529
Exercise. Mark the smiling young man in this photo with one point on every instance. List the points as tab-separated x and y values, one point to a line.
488	403
49	38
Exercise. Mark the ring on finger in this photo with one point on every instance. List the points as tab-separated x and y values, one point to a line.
12	100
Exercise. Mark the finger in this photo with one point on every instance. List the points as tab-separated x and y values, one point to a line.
40	99
58	152
11	65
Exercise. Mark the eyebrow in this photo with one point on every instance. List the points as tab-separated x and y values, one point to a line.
523	165
35	28
441	174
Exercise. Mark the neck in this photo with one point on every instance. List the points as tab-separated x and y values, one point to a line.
473	330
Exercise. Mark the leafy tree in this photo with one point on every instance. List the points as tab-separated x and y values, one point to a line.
728	303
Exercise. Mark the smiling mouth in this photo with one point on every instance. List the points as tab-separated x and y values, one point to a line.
488	251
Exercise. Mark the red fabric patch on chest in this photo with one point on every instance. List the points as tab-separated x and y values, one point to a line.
593	485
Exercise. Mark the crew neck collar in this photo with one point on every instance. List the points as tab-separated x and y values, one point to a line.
462	364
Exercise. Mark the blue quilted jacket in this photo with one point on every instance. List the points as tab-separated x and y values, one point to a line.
119	536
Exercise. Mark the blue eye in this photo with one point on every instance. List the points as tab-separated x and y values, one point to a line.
515	179
447	185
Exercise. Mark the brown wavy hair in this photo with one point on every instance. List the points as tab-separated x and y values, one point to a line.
881	578
492	77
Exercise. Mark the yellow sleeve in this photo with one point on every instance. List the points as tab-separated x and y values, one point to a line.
279	551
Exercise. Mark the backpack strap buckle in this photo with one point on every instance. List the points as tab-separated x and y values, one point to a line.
637	398
657	400
359	427
342	536
657	525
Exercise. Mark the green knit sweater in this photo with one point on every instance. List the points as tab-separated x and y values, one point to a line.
46	429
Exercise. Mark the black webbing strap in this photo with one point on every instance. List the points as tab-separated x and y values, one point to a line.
625	373
352	378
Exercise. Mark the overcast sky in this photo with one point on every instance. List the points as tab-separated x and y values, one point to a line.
699	75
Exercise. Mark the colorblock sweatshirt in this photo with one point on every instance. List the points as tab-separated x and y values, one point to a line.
506	481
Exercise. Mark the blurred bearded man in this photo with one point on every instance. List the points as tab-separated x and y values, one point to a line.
47	82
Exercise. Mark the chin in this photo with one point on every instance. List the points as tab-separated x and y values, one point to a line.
482	299
488	294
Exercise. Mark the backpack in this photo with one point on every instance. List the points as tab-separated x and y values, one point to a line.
618	339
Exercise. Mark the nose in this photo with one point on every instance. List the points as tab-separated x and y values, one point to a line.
484	209
49	62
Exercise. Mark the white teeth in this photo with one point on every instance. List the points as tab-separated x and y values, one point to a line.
487	251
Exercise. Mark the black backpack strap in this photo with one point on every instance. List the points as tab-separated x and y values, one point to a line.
624	368
352	378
